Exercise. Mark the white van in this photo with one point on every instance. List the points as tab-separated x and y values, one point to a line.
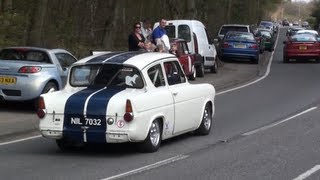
195	33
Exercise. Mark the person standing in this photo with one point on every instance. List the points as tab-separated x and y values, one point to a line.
136	39
146	29
160	37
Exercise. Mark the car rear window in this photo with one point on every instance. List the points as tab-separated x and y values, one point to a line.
239	36
264	33
108	75
226	29
24	55
303	38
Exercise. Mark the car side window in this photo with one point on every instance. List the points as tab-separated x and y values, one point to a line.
184	32
65	60
156	76
174	73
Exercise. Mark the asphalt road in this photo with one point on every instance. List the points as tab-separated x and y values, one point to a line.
268	130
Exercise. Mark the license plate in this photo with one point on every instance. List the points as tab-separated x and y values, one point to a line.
302	47
240	46
8	80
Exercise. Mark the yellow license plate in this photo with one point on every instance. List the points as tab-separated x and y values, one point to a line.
8	80
240	46
302	47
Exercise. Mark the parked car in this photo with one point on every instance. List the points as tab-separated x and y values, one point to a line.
266	38
293	30
305	24
232	27
121	97
186	58
27	72
285	22
199	42
301	47
240	45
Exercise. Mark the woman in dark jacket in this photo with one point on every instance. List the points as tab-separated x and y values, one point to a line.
136	39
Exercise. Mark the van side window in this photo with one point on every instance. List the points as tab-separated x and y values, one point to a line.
171	31
209	39
184	32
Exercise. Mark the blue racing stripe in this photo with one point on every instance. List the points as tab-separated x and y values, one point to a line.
95	119
122	58
102	57
73	114
96	109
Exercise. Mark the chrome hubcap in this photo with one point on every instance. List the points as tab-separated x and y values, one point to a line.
155	134
207	119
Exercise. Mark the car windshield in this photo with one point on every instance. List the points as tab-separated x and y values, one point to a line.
226	29
264	33
303	38
24	54
240	36
107	75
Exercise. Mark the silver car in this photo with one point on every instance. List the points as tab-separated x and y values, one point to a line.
27	72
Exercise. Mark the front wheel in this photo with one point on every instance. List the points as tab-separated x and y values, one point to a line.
205	126
193	75
214	68
153	140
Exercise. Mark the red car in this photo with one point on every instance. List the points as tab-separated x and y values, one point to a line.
301	47
179	47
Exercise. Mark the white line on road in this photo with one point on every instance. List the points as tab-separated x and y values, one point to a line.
308	173
277	123
19	140
257	80
148	167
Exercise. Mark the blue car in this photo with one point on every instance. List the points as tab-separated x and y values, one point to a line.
239	45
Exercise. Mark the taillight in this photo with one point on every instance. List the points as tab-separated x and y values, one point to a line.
254	46
41	112
128	115
225	45
29	69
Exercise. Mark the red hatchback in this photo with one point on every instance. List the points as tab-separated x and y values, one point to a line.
301	47
179	47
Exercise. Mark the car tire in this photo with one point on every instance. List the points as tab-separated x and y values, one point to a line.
214	68
255	60
193	75
200	70
50	87
206	122
285	60
153	140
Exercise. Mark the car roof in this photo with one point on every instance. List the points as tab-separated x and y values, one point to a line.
139	59
36	48
238	25
307	31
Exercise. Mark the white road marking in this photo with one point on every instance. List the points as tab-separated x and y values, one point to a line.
277	123
148	167
257	80
19	140
308	173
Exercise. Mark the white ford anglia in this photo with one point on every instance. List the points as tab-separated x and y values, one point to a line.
120	97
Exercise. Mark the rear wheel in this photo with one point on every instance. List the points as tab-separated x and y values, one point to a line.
153	140
285	60
205	126
200	70
214	68
50	87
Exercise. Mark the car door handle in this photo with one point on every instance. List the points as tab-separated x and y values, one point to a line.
175	93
